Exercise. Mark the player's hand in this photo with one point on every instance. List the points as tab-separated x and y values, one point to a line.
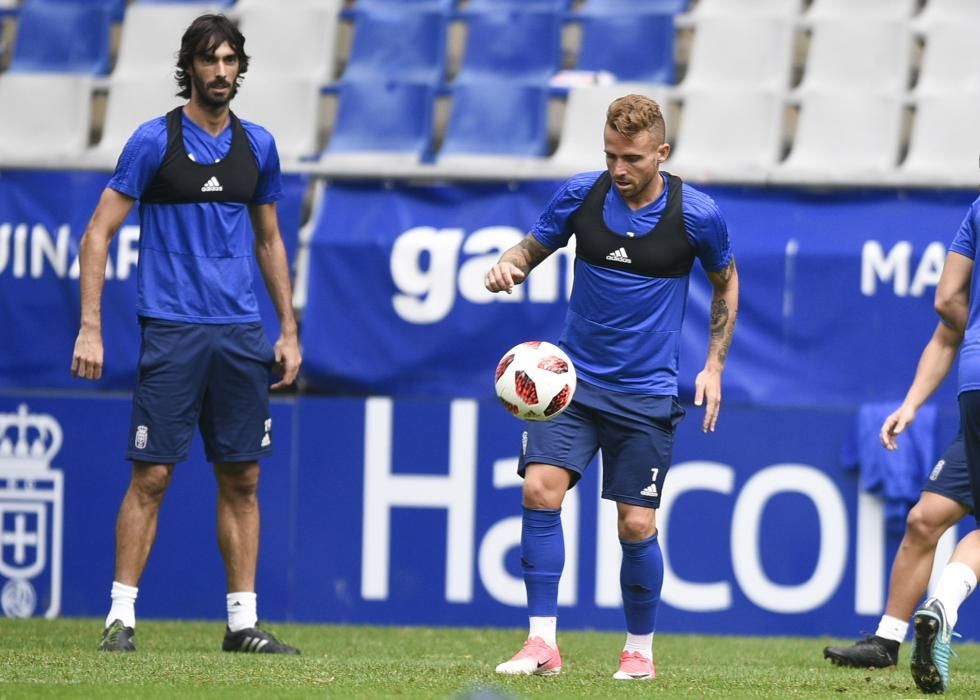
707	390
288	360
503	276
86	359
893	426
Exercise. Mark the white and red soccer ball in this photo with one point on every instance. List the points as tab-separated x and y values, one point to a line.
535	380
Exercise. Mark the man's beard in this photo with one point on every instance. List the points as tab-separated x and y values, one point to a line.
209	100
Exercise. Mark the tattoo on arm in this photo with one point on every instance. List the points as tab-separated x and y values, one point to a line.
721	333
526	254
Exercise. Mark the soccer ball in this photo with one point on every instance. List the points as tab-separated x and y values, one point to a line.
535	380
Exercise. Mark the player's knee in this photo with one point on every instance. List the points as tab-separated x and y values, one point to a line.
540	494
635	525
922	527
150	482
238	483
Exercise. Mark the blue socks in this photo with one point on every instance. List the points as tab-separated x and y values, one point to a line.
641	578
542	560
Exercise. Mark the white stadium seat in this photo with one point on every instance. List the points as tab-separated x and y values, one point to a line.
844	137
948	11
300	43
858	53
949	62
789	9
843	9
150	37
728	135
945	141
262	98
44	117
722	57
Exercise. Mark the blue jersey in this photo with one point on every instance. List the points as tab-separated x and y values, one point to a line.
965	243
622	330
195	261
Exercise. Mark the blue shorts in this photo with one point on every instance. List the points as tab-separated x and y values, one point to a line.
215	377
635	433
950	477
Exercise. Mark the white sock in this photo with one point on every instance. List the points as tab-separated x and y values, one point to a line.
123	604
956	583
642	643
892	628
544	627
242	611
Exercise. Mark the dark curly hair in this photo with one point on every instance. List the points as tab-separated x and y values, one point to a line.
203	37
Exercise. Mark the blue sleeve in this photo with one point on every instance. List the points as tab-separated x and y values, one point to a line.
140	158
965	240
707	229
552	229
269	187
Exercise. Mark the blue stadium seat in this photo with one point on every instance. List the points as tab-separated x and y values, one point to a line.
484	5
62	37
500	118
632	7
398	46
383	116
117	8
511	44
635	47
403	5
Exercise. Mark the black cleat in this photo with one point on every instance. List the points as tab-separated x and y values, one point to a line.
255	640
870	652
117	637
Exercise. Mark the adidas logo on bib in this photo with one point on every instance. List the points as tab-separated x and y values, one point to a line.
619	256
212	185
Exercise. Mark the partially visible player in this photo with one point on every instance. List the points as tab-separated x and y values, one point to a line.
958	304
945	499
638	231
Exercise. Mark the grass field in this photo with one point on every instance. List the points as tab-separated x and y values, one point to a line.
57	659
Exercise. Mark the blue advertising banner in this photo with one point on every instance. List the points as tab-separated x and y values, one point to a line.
43	215
836	290
408	512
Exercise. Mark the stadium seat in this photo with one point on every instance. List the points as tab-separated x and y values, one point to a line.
511	44
730	135
288	106
748	8
948	62
384	121
404	5
948	11
298	43
62	37
720	57
117	8
214	3
944	143
44	116
580	144
131	101
484	5
151	35
497	118
846	9
632	7
398	46
642	51
844	137
859	53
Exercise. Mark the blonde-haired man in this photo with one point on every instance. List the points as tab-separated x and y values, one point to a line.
638	231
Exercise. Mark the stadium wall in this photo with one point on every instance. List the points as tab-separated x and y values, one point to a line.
391	497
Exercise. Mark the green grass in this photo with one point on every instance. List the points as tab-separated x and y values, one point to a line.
57	658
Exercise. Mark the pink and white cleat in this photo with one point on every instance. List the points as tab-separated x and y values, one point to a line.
535	658
634	666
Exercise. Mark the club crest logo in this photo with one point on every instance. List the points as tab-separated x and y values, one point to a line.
31	514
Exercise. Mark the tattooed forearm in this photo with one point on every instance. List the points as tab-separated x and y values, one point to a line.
526	254
719	316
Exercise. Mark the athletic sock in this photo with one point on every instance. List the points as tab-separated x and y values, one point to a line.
544	627
542	560
241	611
956	583
892	628
643	643
123	604
641	577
